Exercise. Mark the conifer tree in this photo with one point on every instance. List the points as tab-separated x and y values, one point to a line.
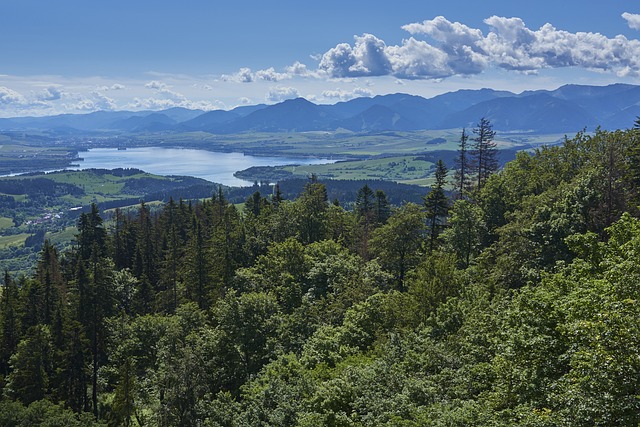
437	205
365	214
50	279
197	274
9	327
484	152
463	171
382	208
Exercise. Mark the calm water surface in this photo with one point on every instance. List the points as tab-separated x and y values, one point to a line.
209	165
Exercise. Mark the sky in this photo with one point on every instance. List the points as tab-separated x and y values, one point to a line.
79	56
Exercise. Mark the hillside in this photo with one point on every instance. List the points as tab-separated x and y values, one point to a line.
514	304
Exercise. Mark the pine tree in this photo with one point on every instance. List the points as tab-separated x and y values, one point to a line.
9	327
484	151
197	266
382	208
50	279
437	205
463	171
90	232
365	214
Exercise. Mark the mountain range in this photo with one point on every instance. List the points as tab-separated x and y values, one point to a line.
569	109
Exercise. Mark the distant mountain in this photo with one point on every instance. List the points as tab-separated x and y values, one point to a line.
462	99
154	122
210	120
532	113
179	114
377	118
567	109
245	110
292	115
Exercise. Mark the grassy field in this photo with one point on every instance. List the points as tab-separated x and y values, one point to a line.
336	144
13	240
399	169
6	223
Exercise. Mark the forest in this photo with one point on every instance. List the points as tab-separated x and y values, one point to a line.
506	297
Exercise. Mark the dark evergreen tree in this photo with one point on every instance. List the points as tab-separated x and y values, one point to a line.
484	152
9	323
382	208
145	258
365	209
50	279
91	232
172	252
463	167
197	267
437	205
31	366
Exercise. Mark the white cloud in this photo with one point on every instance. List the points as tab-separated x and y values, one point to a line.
52	93
11	97
367	57
246	75
633	20
344	95
245	101
156	85
165	103
103	102
298	69
452	48
279	94
270	75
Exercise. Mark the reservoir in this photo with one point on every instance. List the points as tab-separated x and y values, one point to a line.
212	166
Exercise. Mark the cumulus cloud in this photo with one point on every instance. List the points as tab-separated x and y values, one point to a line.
298	69
633	20
154	103
103	102
439	48
52	93
115	86
246	75
11	97
270	74
154	84
13	103
367	57
344	95
279	94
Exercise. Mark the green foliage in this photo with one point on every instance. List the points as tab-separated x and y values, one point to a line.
398	243
521	311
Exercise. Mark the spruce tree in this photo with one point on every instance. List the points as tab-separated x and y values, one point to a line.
382	208
8	322
365	214
463	171
437	205
484	151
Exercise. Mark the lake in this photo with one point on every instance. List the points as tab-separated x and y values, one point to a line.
212	166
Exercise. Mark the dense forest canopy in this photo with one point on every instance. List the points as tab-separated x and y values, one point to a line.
515	303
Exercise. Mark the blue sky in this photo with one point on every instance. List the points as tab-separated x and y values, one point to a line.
82	56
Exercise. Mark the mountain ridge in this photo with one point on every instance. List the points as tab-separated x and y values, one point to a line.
569	108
